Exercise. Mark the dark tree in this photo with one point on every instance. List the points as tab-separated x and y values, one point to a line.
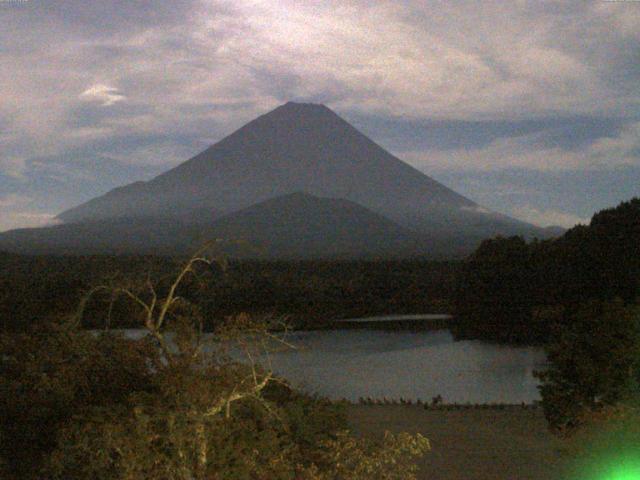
594	362
494	298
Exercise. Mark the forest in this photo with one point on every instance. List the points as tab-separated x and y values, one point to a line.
309	294
512	291
577	296
173	404
508	290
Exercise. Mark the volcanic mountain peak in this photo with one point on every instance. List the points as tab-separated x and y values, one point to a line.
301	109
300	147
296	147
306	107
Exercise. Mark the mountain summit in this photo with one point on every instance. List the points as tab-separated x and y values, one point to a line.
302	147
298	147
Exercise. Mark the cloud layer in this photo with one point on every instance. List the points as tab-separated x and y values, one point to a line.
141	85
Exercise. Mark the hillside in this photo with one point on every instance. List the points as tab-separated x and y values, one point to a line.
304	226
513	291
293	226
106	236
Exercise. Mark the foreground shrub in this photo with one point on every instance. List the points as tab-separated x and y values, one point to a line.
173	405
55	372
348	458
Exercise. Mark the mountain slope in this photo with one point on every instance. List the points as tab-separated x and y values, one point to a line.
106	236
301	148
293	226
300	225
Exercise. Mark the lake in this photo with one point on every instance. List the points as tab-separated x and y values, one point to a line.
409	364
412	365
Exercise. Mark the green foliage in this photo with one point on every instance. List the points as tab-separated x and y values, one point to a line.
594	362
346	457
172	405
160	437
49	375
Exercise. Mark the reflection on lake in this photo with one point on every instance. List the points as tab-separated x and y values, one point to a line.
370	363
397	318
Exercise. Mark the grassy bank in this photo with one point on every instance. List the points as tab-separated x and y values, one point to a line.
470	444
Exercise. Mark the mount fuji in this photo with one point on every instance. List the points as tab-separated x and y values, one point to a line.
299	161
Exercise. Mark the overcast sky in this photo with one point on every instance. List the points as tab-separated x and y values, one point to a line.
531	108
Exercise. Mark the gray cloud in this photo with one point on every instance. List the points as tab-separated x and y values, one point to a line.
566	132
449	86
95	18
574	193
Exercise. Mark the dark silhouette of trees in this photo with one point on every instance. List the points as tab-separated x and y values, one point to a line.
309	293
594	363
54	372
493	297
576	294
512	291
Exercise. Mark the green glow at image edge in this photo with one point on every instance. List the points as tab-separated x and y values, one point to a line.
609	451
625	470
613	469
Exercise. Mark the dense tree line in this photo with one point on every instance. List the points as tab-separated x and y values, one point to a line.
512	291
38	289
34	289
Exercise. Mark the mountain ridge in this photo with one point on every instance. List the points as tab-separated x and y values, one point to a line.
308	148
293	226
299	225
295	147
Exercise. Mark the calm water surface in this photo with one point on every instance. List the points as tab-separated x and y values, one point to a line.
371	363
412	365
